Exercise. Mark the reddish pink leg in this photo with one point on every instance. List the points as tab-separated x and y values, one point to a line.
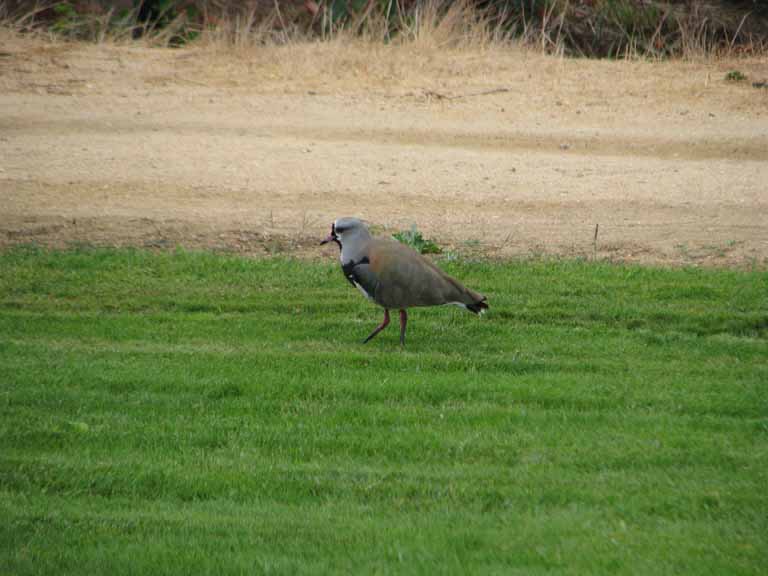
380	327
403	322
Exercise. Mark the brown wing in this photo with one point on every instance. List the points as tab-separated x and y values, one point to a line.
406	278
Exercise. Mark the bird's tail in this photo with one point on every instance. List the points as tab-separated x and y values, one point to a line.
479	306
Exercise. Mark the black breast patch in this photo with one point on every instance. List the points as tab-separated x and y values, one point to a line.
349	269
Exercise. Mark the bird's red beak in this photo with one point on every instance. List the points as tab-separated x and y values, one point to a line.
332	236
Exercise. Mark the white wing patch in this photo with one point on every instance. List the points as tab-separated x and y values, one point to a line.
461	305
351	277
359	287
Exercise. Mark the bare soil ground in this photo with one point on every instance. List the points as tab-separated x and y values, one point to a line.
497	151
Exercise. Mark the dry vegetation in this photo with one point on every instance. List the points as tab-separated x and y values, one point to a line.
612	28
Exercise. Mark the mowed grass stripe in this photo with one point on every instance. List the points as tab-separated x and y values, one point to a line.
220	413
277	538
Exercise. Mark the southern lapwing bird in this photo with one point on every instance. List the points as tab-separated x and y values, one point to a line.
394	275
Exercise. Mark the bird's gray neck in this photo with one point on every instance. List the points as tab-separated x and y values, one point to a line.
354	245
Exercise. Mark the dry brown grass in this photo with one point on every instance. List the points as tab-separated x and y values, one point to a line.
425	28
430	26
445	58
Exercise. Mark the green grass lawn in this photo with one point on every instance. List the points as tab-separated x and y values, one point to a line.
196	413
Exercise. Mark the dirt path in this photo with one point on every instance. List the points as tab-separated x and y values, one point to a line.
500	152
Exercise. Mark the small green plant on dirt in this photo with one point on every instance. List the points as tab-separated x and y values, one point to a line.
416	240
735	76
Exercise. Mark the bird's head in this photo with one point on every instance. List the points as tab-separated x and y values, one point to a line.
345	227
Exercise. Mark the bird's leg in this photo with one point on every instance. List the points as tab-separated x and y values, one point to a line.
403	322
380	327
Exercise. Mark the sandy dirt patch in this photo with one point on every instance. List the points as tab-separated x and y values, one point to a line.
496	151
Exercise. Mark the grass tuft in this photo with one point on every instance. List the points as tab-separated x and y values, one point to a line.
415	239
735	76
